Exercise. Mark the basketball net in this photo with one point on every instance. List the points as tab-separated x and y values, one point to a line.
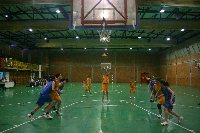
197	66
104	34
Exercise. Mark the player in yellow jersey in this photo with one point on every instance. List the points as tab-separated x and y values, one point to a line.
160	97
105	83
88	85
132	87
55	93
62	84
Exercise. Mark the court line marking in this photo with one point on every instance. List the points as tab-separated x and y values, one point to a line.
19	125
21	92
96	100
182	105
10	104
192	95
149	112
111	105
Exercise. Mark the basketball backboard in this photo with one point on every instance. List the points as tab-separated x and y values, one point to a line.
105	66
91	14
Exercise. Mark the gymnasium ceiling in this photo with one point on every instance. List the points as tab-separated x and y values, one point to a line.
17	16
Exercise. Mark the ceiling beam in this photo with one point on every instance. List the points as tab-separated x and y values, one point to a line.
11	2
31	17
115	43
169	24
34	24
188	3
150	24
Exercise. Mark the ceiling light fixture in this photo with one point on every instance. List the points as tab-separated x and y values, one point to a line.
57	11
162	11
182	30
31	30
168	39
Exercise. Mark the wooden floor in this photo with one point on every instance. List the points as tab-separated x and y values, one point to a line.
87	114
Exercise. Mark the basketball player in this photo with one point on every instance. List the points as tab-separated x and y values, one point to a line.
55	93
105	83
151	85
88	86
160	97
132	87
62	82
44	97
169	100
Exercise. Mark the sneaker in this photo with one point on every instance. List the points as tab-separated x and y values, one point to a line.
48	116
130	97
159	116
44	113
164	123
84	95
179	119
151	100
30	117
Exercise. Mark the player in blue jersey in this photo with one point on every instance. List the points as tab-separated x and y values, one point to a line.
151	88
44	97
169	101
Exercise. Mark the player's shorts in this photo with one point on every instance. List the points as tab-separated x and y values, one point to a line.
151	89
132	90
43	99
55	96
104	88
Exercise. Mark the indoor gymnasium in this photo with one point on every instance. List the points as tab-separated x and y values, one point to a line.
99	66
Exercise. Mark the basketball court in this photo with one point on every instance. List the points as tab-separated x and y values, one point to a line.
138	41
87	114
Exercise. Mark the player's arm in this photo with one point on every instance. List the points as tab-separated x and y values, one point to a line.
149	85
53	86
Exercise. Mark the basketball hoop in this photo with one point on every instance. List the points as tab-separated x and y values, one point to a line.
197	65
104	34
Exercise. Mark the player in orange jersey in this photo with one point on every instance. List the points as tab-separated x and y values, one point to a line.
105	83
